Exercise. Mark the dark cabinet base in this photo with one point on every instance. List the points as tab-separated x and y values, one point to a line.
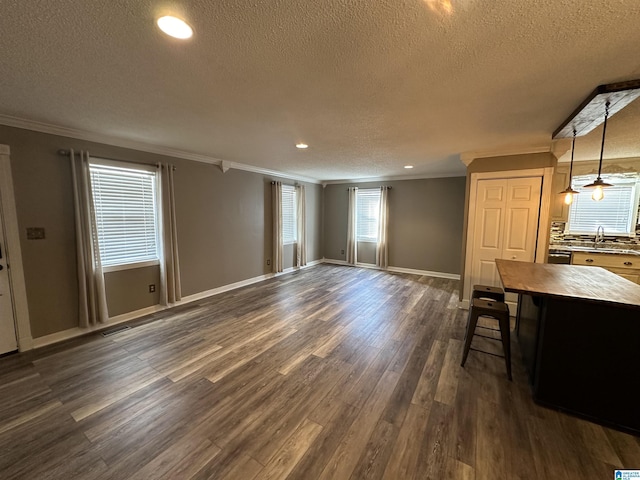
583	358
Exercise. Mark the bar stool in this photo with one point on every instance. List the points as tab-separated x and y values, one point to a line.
492	309
485	291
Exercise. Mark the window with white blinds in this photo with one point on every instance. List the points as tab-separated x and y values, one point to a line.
126	214
616	212
367	214
289	213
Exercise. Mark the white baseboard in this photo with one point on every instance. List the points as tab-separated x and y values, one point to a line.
295	269
56	337
336	262
427	273
125	317
77	331
314	262
224	288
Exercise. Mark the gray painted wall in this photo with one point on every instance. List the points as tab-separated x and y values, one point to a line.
128	290
425	223
224	228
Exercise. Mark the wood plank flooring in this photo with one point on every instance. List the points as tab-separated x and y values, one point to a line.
327	373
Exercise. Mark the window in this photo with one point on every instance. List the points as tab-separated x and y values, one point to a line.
616	212
125	200
289	213
367	212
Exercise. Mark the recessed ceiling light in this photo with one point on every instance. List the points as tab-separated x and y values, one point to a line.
302	146
175	27
408	166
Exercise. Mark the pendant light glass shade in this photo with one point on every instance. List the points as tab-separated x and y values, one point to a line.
570	192
598	193
599	184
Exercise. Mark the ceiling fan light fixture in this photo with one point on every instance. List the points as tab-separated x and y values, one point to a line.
175	27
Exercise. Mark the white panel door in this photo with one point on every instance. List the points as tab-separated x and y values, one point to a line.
506	225
521	219
8	342
489	231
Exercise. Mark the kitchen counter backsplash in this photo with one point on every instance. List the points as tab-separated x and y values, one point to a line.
558	237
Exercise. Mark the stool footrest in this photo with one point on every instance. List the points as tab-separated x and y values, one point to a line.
488	353
488	328
487	337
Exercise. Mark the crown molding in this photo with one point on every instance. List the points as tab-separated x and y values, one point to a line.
271	173
468	157
391	178
51	129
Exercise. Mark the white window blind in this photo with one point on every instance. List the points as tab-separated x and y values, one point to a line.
616	212
367	212
289	213
126	216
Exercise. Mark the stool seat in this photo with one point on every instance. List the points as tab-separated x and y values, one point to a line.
482	307
487	291
486	307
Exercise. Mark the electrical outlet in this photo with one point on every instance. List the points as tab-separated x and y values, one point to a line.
268	261
152	288
35	233
341	252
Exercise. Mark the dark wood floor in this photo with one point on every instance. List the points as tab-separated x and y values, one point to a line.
327	373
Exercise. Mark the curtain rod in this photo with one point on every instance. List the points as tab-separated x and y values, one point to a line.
368	188
67	153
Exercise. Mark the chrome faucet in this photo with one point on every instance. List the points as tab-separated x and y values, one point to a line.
599	238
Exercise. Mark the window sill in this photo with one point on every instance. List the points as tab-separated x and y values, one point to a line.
288	243
130	266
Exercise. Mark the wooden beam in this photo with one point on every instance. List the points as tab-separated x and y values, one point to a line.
590	113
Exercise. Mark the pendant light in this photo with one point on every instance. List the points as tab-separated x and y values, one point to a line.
570	192
599	184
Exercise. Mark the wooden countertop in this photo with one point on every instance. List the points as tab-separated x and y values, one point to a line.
592	284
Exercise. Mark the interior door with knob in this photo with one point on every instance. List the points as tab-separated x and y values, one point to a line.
506	226
521	219
8	341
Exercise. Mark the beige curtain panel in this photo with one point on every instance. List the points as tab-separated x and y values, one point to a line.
301	244
382	248
92	299
170	287
352	244
276	208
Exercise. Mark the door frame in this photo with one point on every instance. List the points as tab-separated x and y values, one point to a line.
14	253
542	241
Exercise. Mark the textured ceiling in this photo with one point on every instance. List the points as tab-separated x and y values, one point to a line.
369	85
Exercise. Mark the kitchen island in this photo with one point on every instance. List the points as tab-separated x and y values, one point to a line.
579	333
